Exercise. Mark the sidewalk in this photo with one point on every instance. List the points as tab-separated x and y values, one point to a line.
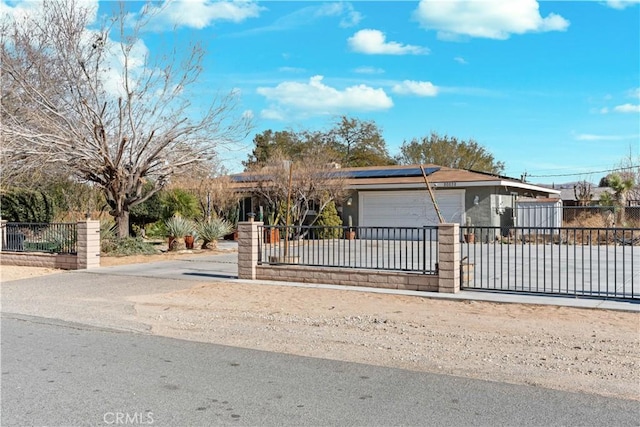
488	296
223	267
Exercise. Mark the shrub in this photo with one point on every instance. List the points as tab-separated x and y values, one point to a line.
128	246
330	220
156	230
27	206
180	202
211	230
178	226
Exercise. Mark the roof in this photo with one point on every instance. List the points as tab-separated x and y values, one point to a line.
440	177
596	192
410	176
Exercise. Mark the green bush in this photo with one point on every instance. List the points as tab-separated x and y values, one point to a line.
26	206
128	246
147	212
330	219
180	202
156	230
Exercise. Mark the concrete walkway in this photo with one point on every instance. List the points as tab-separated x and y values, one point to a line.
223	267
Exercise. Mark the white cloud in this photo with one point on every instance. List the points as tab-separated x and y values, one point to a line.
273	114
373	42
200	13
314	97
460	60
594	137
627	108
493	19
350	17
410	87
113	74
621	4
20	9
369	70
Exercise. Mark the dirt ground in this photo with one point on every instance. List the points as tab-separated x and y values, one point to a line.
587	350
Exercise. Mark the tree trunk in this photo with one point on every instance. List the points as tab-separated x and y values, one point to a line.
122	219
621	217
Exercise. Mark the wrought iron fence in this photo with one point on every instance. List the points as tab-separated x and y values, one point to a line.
40	237
380	248
601	216
601	262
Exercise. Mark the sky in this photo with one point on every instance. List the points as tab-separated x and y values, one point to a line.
550	88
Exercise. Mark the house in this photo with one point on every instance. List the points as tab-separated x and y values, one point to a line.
397	196
568	195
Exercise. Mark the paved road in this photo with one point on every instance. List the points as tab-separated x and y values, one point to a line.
57	373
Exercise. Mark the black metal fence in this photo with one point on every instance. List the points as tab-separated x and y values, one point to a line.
380	248
40	237
599	262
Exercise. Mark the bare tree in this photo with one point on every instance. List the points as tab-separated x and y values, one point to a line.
94	103
583	192
314	184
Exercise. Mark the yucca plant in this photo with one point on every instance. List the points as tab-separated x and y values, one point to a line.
177	228
211	230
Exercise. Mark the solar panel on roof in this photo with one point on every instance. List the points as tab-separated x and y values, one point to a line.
386	173
357	174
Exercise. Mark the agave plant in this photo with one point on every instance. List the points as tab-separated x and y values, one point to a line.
177	228
211	230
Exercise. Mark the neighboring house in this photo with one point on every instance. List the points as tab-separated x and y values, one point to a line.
397	196
568	195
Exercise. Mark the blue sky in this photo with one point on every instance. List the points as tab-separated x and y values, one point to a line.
550	88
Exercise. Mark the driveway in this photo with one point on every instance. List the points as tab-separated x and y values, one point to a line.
197	267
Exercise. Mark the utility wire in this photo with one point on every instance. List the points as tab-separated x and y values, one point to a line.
581	173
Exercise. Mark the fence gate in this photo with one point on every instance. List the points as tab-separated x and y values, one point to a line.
598	262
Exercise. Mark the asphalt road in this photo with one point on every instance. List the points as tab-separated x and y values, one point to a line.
58	373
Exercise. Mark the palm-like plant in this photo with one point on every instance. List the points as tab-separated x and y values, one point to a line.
621	187
211	230
177	228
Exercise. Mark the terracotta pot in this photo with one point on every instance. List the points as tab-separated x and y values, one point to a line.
271	235
469	238
350	235
176	243
189	241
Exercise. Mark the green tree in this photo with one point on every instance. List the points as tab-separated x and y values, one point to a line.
267	143
350	143
450	152
358	143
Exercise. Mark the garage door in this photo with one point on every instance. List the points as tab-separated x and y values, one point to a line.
409	208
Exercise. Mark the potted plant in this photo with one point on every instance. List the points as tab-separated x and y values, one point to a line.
232	217
190	239
271	232
469	236
177	229
351	233
211	230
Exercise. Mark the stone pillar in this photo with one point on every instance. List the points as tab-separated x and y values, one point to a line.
88	244
248	249
3	233
449	258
